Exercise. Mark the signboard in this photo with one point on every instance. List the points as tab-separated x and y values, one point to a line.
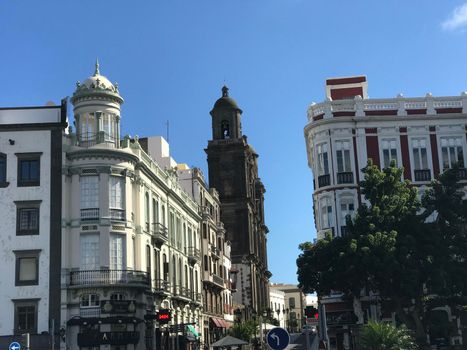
163	316
118	306
14	346
278	338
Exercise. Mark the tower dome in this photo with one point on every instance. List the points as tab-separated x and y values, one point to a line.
226	101
96	85
97	104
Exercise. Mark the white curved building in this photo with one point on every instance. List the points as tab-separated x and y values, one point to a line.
130	234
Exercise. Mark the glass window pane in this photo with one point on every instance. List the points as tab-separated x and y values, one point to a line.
27	269
416	158
424	158
347	160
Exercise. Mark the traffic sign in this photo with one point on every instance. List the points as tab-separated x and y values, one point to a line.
14	346
278	338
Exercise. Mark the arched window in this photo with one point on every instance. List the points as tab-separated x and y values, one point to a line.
174	271
146	211
225	129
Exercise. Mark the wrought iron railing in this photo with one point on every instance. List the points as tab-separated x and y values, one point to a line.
117	214
161	286
345	177
324	180
193	253
422	174
108	277
90	214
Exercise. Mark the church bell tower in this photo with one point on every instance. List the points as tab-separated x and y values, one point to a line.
233	171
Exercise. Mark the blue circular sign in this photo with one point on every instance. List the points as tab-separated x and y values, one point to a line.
14	346
278	338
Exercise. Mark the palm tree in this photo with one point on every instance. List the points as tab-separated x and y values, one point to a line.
385	336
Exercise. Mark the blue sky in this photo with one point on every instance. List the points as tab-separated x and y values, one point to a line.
171	58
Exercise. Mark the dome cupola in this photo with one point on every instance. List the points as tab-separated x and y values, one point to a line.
96	104
226	117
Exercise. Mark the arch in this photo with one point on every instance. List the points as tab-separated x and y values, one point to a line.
225	129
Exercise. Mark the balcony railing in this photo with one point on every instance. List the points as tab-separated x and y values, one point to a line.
215	251
160	232
161	286
218	280
196	297
204	212
90	214
462	174
400	106
422	174
324	180
117	214
345	177
193	254
94	311
344	231
109	277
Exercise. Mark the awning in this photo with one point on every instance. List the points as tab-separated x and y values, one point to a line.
192	330
217	322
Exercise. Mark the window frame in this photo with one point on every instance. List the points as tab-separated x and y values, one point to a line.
340	146
440	151
389	140
88	299
26	254
4	171
25	303
22	205
33	156
322	157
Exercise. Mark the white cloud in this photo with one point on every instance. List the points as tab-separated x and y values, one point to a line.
457	19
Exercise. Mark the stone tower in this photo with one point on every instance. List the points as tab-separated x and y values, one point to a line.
233	171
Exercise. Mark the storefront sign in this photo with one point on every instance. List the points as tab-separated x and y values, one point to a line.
94	338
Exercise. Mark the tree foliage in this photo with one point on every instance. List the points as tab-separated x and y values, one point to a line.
412	255
245	330
384	336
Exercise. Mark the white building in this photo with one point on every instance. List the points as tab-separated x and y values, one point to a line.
425	135
129	234
30	195
215	251
294	305
277	305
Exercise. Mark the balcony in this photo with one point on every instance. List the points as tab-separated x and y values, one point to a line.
90	214
160	233
94	311
181	292
196	297
194	255
345	178
218	280
161	286
422	174
462	174
117	215
215	252
204	212
90	278
324	180
344	231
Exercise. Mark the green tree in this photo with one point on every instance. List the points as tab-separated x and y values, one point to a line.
385	336
396	248
245	330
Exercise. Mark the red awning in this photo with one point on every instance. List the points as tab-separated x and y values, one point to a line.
217	322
